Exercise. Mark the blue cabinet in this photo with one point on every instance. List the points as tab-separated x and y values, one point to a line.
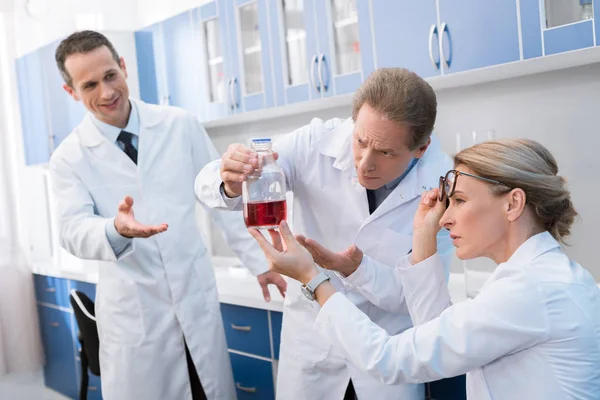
215	72
58	342
252	339
396	21
146	56
62	368
64	113
557	26
34	122
250	67
471	34
48	112
475	34
247	329
345	45
51	291
276	319
182	73
321	48
253	377
295	51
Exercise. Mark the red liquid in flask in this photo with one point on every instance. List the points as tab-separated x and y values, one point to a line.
265	214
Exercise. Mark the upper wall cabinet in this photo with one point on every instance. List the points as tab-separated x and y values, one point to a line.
320	47
48	112
214	73
250	67
406	35
556	26
475	34
469	34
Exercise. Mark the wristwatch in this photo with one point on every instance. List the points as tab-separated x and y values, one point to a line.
310	287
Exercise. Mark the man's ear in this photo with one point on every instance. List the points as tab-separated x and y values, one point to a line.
71	91
421	150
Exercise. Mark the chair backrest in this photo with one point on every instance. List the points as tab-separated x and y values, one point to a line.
83	308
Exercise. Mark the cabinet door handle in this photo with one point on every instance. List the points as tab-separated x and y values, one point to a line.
241	328
322	61
50	290
234	83
54	324
448	59
229	84
232	97
433	31
245	389
315	60
93	388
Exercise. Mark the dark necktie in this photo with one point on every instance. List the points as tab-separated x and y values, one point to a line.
371	198
126	139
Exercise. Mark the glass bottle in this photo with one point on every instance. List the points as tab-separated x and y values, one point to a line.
263	193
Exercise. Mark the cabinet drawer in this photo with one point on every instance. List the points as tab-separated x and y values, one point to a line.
276	331
253	378
247	329
57	340
51	290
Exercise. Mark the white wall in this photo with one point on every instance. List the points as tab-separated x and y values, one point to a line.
559	109
151	11
63	17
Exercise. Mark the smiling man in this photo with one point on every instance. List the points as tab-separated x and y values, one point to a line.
157	309
357	183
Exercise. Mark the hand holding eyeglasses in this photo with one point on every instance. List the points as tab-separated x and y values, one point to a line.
430	211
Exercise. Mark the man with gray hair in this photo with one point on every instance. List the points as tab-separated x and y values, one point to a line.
357	183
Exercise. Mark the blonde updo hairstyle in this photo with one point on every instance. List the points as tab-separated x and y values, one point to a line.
525	164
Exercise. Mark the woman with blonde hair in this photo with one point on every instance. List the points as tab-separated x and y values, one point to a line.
533	331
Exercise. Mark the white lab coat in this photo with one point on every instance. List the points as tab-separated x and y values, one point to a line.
331	207
533	332
162	288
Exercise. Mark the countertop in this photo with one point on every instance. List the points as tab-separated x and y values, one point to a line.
236	285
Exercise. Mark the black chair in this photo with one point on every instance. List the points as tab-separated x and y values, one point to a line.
87	335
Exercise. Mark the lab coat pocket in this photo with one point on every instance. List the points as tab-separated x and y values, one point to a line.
119	312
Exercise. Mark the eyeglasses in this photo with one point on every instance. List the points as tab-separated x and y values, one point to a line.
448	183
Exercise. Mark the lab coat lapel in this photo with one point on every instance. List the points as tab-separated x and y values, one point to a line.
105	152
151	142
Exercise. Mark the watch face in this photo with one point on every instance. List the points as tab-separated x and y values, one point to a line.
308	294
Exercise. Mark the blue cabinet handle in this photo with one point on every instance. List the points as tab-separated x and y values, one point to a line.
241	328
92	388
316	84
433	31
322	61
54	324
245	389
447	59
50	290
232	97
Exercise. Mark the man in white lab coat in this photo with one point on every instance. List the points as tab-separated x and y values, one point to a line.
356	183
157	309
